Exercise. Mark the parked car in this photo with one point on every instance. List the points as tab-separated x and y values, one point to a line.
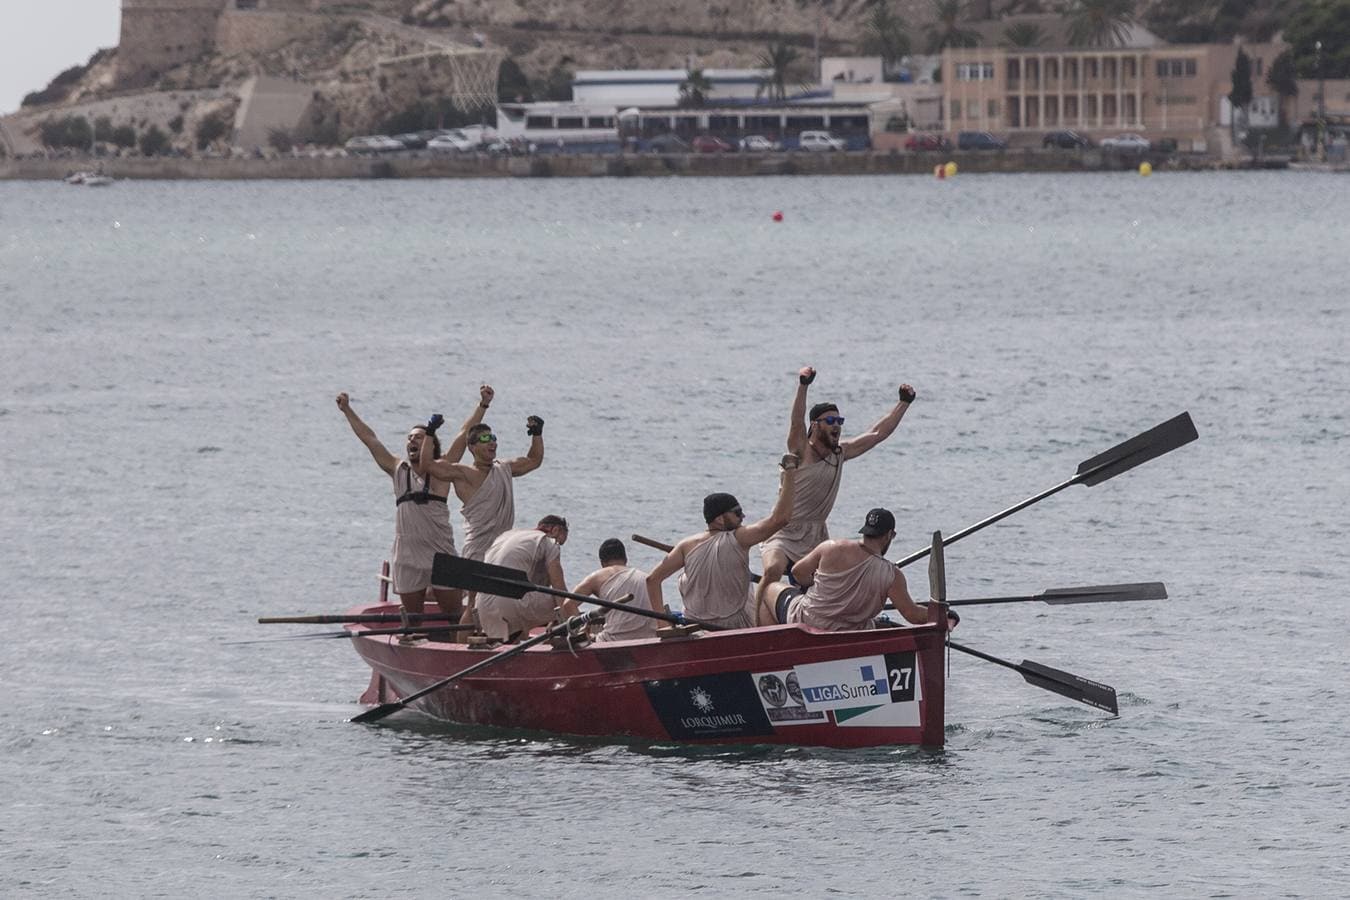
373	143
412	141
979	140
667	143
1065	140
711	143
819	142
758	143
1126	143
453	142
927	140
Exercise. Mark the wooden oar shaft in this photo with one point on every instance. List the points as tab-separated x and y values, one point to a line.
652	542
345	620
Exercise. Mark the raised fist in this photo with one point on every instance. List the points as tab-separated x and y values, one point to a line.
806	374
485	395
907	394
436	421
343	402
534	426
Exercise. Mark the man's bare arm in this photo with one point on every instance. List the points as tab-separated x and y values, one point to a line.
455	452
779	516
904	603
534	427
383	458
805	569
556	581
797	423
445	470
590	584
673	562
855	447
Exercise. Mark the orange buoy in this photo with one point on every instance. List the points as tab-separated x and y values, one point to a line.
940	171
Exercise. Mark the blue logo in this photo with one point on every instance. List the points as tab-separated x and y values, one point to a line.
881	686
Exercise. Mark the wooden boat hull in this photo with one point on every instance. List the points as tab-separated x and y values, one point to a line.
784	684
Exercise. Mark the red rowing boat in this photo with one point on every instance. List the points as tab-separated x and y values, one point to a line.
784	684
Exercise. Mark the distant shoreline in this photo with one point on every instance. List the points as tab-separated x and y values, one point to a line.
617	165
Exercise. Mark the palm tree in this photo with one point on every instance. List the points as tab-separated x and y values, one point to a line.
886	35
778	59
1023	34
946	29
695	88
1100	23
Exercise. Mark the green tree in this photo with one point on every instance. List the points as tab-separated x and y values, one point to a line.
211	129
1327	21
1283	79
69	131
778	59
885	35
154	141
512	85
1100	23
947	28
124	136
695	88
558	83
1023	34
1240	97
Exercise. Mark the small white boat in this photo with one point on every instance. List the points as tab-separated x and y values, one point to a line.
98	180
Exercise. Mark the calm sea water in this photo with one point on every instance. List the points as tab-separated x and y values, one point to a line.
172	465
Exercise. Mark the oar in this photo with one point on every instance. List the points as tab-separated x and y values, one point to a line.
1139	449
379	712
342	620
666	548
485	578
1101	593
1066	684
374	632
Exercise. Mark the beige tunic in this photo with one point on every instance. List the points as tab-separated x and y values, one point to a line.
622	626
847	600
421	530
817	486
715	584
490	511
532	551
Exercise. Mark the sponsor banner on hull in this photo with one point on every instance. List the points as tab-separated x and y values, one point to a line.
709	706
781	694
854	687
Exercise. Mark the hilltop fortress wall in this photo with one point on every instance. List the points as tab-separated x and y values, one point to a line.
157	35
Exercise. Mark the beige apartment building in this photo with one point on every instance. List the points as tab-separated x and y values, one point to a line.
1171	91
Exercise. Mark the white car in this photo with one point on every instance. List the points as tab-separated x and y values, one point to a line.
758	143
1132	143
819	142
453	142
373	143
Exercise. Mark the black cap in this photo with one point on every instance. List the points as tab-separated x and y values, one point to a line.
879	521
716	504
821	409
613	549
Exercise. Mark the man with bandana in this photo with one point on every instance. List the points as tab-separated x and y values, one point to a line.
817	480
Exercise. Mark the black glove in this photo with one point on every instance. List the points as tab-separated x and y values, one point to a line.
435	422
534	426
807	379
956	619
907	393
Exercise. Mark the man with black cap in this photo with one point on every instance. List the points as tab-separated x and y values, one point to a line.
614	580
716	580
847	582
817	479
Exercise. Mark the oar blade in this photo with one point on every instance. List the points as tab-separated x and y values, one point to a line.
1139	449
1107	593
471	575
376	713
1066	684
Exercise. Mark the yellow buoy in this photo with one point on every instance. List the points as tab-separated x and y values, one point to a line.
950	169
1145	168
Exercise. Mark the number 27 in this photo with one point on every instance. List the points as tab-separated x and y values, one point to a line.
901	678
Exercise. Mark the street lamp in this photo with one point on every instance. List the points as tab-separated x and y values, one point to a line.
1321	107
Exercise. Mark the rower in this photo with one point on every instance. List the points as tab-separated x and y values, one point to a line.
538	552
847	582
716	562
614	580
817	479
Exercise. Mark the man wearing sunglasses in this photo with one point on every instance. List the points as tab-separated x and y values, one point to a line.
817	480
537	551
715	584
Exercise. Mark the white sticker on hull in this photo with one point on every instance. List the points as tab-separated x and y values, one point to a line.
865	691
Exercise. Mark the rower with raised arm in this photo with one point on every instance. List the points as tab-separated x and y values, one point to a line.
421	520
847	583
817	479
715	584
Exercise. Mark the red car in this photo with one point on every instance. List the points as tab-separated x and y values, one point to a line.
927	140
711	143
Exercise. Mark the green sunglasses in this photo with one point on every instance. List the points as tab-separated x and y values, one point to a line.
486	437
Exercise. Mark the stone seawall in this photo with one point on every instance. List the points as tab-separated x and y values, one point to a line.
588	166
